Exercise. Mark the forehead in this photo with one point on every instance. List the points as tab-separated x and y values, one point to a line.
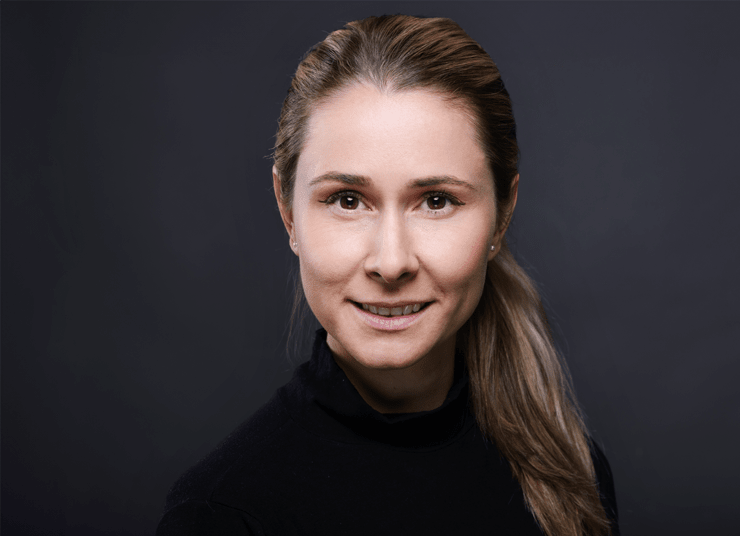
406	134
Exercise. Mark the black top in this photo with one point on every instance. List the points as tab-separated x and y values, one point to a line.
317	459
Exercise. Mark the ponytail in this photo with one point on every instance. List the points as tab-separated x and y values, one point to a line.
523	401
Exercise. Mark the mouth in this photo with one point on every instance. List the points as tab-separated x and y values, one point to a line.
388	310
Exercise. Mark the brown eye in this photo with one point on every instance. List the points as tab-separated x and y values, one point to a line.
348	202
436	202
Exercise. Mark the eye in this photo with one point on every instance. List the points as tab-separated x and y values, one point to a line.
348	202
436	202
440	203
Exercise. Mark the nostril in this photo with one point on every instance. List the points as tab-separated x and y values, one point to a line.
389	279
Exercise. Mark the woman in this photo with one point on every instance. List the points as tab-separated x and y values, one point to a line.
434	401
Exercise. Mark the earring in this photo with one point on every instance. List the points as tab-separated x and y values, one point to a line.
493	247
295	245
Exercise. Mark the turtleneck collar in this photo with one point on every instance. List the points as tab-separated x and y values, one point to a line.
322	397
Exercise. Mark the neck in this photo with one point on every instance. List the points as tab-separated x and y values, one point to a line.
422	386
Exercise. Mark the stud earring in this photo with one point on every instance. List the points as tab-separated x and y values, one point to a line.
493	247
295	245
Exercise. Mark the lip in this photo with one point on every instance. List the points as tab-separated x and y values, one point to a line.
390	323
390	305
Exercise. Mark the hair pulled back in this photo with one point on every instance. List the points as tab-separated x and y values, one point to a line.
520	389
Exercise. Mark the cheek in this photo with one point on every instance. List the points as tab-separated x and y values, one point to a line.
459	258
329	254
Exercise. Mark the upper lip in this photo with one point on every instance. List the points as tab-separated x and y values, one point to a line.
389	305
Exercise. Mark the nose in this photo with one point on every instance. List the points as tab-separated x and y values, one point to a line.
392	258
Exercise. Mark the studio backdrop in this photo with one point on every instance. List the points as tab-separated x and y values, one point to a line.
147	279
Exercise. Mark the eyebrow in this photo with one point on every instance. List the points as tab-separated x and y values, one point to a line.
360	180
351	180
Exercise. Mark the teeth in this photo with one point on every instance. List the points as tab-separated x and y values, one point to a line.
395	311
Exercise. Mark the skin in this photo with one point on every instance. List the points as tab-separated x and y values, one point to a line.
387	239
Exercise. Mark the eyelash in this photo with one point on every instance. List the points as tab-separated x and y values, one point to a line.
449	197
333	198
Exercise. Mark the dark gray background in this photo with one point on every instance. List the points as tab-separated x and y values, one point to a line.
145	287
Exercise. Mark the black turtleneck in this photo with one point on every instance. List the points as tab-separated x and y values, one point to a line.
317	459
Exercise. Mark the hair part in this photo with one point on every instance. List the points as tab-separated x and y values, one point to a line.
520	388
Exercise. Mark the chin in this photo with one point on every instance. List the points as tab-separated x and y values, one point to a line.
384	351
388	356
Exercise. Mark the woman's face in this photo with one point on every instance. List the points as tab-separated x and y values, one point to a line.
394	214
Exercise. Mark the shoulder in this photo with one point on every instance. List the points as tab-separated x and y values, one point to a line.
205	496
605	481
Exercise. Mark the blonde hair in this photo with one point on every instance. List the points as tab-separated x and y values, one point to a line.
520	389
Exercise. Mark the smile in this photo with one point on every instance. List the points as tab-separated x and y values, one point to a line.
389	311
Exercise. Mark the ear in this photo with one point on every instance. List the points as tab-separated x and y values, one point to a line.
285	212
506	218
